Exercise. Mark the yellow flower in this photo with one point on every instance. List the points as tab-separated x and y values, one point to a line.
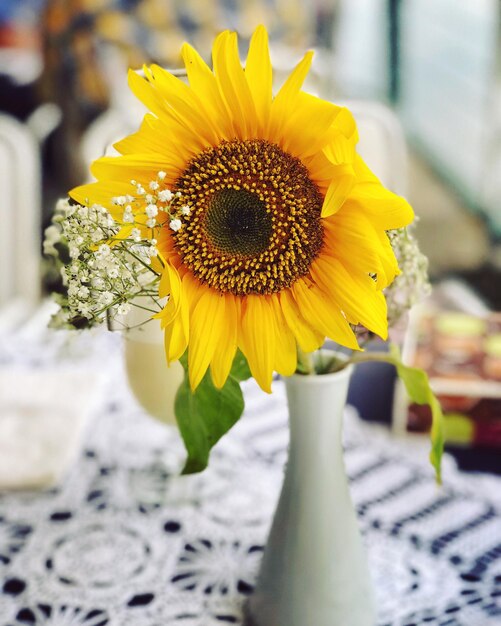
280	235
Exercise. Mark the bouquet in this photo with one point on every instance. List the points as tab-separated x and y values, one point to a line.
253	227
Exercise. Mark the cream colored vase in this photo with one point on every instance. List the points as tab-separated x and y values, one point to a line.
153	382
314	570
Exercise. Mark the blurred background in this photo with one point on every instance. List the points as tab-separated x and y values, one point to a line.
435	63
423	78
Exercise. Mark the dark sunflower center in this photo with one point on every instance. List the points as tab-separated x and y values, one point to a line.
237	222
254	224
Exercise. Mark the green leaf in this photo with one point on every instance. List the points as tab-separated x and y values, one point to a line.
240	369
418	388
207	414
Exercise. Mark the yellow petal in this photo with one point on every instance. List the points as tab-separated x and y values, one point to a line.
207	326
340	150
122	234
146	93
307	338
258	339
294	82
285	350
355	294
259	74
177	332
351	238
185	104
316	307
176	335
140	167
321	171
306	122
385	209
345	123
150	96
170	285
233	85
339	189
155	136
102	193
342	138
225	351
203	82
286	97
191	291
388	261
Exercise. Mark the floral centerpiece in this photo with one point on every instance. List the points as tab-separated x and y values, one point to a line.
253	227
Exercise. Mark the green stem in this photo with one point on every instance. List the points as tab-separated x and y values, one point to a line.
304	362
337	365
366	357
145	308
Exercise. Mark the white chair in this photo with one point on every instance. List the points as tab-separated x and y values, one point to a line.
20	214
98	139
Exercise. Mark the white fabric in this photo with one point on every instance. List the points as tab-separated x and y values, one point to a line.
42	417
124	542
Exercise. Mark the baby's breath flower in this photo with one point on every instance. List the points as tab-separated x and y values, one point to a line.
151	210
83	212
85	309
52	237
97	235
165	195
154	185
412	285
175	224
185	210
128	216
103	251
107	298
161	174
99	274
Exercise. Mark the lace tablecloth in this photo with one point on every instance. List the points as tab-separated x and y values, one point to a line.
123	541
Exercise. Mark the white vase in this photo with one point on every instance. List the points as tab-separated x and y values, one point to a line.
314	570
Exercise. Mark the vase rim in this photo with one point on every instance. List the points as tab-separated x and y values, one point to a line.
319	379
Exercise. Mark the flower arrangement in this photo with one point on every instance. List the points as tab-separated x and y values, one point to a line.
254	228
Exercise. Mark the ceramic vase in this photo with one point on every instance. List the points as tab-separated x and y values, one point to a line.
314	570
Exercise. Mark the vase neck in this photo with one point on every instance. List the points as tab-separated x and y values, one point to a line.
316	406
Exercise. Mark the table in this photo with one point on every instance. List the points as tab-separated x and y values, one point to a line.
123	541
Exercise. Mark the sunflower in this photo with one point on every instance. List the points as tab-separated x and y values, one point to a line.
280	240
